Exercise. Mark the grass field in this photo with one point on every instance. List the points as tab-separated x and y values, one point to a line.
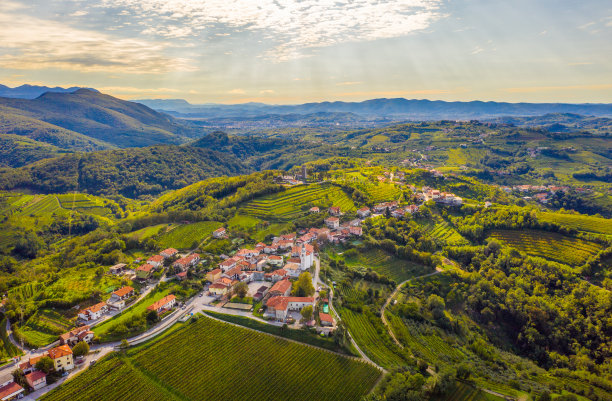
185	236
296	201
149	232
77	286
7	349
370	340
581	222
549	245
211	360
44	327
384	263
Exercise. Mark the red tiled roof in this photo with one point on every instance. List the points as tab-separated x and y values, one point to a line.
60	351
9	389
123	291
275	257
35	376
162	302
156	258
281	286
279	272
215	272
145	268
74	332
281	303
169	251
219	230
325	317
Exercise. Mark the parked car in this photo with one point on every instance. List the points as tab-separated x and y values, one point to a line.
93	362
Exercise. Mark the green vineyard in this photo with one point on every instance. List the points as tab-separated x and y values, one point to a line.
296	201
211	360
581	222
185	236
370	340
466	392
548	245
380	261
445	233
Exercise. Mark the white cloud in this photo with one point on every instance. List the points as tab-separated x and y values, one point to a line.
293	26
477	50
267	92
79	13
36	43
237	92
348	83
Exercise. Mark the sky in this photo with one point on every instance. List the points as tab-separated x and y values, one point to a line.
296	51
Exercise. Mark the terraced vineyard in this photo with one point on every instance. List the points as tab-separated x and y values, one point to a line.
465	392
370	341
296	201
383	192
185	236
384	263
43	327
225	363
581	222
549	245
445	232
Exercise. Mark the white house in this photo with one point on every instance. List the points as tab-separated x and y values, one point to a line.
93	312
279	307
332	222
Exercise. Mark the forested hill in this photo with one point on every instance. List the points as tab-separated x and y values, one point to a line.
108	121
130	172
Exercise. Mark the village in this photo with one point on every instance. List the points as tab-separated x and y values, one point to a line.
259	283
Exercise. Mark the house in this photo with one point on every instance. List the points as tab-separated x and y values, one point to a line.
332	222
357	231
285	244
280	288
363	212
166	303
232	274
218	289
122	294
487	204
187	262
30	364
117	269
214	275
228	264
144	272
261	293
156	260
36	380
335	211
271	248
412	209
62	358
293	270
398	213
382	207
326	319
314	210
306	257
277	275
11	391
182	276
258	275
169	253
278	307
93	312
219	232
82	333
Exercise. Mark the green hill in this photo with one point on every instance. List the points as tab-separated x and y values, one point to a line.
17	151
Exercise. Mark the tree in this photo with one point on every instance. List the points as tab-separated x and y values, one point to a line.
340	334
545	396
45	364
307	312
241	289
303	286
124	344
19	377
152	317
81	349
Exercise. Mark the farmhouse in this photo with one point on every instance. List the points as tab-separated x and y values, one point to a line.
11	391
72	337
36	380
332	222
155	260
314	210
219	232
122	294
93	312
280	288
278	307
326	319
144	272
169	253
62	358
166	303
187	262
214	275
363	212
117	269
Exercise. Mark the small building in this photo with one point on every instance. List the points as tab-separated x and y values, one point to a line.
93	312
279	307
326	319
280	288
219	232
122	294
276	275
335	211
11	391
182	276
36	380
166	303
357	231
30	364
314	210
363	212
187	262
156	260
293	270
144	272
62	358
332	222
82	333
214	275
169	253
117	269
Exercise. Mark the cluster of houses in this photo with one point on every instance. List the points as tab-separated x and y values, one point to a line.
116	302
444	198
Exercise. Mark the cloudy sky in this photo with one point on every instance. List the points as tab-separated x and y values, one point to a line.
294	51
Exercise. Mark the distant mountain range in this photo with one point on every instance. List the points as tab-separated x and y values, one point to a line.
34	91
388	108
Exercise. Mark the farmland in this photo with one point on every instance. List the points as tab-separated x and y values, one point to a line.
466	392
581	222
548	245
386	264
187	235
444	232
236	354
296	201
43	327
7	349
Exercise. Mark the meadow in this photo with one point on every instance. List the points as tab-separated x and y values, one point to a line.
43	327
224	362
548	245
296	201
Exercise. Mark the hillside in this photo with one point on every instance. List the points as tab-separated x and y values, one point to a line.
33	91
102	117
17	151
563	122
